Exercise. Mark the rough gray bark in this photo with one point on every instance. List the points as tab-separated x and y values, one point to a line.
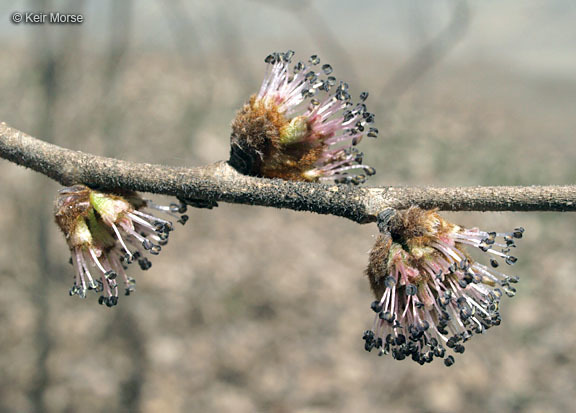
220	182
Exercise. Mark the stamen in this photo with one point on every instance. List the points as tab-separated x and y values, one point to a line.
445	297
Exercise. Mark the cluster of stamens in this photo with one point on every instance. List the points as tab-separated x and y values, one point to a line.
431	295
108	232
302	125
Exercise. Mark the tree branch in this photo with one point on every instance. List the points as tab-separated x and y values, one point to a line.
220	182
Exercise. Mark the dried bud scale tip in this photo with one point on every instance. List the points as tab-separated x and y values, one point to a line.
302	125
107	232
431	296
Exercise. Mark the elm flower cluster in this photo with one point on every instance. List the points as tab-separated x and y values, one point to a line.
107	232
302	125
431	296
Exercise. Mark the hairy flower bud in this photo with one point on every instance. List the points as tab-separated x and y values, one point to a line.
301	126
430	294
107	232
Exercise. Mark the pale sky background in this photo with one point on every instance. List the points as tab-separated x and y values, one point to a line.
535	36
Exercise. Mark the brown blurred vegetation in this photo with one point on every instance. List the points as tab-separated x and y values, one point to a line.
258	310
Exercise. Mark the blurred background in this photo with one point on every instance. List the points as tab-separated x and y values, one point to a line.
250	309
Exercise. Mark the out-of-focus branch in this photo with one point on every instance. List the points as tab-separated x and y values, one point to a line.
427	56
220	182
